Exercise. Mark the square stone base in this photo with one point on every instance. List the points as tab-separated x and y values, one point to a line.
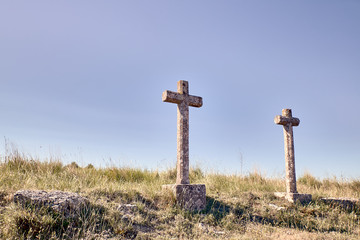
293	197
191	197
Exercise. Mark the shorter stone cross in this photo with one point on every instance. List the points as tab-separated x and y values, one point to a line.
183	101
288	122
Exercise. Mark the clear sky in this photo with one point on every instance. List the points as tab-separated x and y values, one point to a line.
82	81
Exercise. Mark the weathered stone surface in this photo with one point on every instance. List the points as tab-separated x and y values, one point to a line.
288	122
277	208
64	203
294	197
344	202
191	197
127	208
287	119
183	101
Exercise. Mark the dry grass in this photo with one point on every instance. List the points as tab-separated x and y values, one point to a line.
238	207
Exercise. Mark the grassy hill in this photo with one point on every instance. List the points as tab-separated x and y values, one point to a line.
238	207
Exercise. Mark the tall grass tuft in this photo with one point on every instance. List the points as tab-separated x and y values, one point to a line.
310	180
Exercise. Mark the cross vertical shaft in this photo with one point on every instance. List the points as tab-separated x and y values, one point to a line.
288	122
289	154
182	167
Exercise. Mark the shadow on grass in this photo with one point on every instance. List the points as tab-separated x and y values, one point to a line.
250	208
296	216
35	222
216	208
220	209
90	222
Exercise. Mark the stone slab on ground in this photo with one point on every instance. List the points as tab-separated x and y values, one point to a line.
191	197
293	197
65	203
127	208
344	202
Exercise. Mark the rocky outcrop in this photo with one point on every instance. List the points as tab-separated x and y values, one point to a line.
65	203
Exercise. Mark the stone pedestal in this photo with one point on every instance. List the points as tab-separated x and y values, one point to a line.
191	197
293	197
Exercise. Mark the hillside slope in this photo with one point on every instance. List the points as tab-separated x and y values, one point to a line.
129	203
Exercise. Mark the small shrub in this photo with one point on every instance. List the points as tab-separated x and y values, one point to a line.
195	174
355	186
90	166
170	175
310	181
72	165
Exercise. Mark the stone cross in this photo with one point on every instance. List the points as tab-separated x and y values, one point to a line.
288	122
183	101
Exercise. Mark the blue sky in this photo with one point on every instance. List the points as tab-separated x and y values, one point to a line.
82	81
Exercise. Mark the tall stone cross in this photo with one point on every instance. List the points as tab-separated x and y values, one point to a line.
289	122
183	101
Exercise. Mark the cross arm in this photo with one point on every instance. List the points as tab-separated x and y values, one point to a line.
172	97
195	101
281	120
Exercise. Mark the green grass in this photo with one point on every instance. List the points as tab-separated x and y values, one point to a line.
238	207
